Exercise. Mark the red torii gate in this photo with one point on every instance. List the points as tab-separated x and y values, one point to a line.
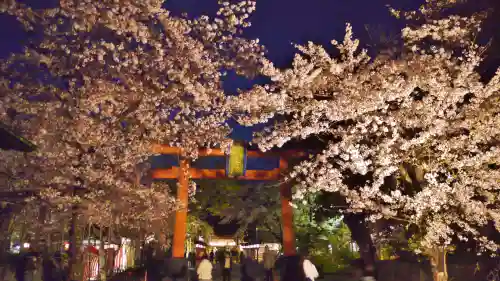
183	172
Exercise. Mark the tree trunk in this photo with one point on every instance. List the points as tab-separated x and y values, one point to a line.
39	244
72	245
437	257
6	216
102	256
361	235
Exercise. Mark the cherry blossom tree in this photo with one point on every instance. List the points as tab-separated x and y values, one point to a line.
423	107
108	80
99	83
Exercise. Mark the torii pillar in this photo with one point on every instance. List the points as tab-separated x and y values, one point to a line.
289	248
178	266
180	226
291	268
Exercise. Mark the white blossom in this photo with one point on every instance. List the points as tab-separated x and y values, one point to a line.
105	82
423	112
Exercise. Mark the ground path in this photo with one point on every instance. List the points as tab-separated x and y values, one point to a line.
217	273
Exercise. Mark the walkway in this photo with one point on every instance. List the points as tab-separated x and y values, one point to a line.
217	273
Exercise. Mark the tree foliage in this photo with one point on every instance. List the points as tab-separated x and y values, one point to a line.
245	204
327	239
424	107
99	83
107	79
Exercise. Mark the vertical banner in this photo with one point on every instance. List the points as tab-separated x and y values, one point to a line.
236	162
90	264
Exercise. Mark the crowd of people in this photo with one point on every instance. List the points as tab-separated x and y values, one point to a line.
205	267
250	269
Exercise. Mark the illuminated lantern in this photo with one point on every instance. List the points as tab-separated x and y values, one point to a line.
236	163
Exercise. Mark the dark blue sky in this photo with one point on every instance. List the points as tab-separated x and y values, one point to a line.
277	23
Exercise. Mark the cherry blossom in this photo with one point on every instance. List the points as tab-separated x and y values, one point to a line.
105	81
424	108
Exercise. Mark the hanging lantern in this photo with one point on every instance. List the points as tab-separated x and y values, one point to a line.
236	164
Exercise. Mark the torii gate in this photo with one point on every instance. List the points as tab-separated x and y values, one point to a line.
235	168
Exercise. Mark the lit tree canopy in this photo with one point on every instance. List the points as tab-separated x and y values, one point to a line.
107	79
103	82
424	107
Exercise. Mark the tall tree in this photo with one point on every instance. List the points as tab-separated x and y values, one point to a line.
99	83
105	81
424	106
